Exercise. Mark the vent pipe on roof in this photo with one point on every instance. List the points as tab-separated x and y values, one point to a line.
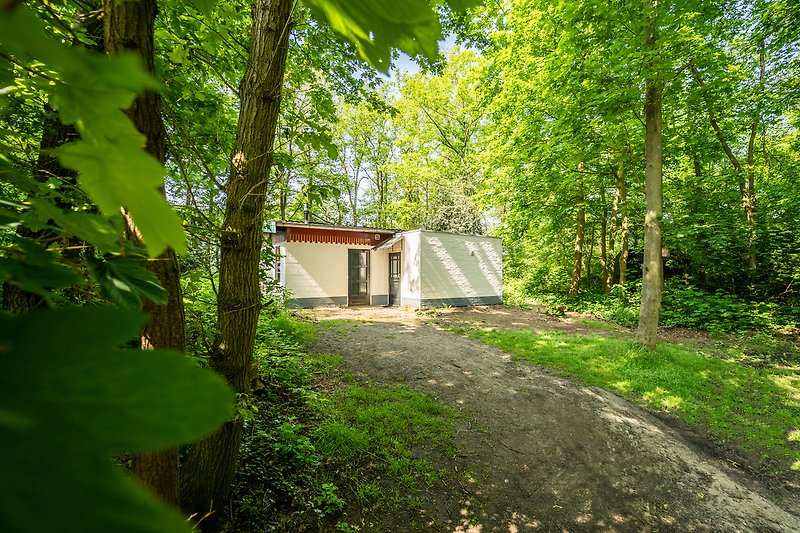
306	214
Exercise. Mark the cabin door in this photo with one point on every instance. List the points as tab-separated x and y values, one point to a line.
394	278
358	277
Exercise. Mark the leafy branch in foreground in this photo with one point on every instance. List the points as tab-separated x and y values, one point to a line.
73	400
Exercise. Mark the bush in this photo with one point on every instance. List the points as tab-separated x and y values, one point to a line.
690	307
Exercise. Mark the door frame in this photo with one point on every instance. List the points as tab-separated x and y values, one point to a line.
350	252
399	281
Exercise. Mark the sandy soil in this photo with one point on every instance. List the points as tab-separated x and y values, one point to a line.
549	454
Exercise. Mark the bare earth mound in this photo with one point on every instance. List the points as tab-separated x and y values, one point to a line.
549	454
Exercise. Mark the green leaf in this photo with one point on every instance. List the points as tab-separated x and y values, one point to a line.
126	282
115	175
81	485
205	7
378	26
74	381
178	55
35	270
70	398
97	230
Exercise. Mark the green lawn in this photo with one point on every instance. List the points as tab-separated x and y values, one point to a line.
757	409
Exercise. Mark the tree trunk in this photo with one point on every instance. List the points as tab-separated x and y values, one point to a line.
749	200
211	461
604	277
745	176
578	253
129	27
588	270
619	210
652	266
621	196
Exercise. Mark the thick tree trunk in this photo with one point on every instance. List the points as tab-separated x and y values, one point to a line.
129	26
652	266
580	223
210	464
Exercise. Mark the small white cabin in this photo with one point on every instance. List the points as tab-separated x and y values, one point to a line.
331	265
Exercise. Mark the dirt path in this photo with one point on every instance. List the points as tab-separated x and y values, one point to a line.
550	454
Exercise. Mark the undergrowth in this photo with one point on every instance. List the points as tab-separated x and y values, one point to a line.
754	409
321	451
683	306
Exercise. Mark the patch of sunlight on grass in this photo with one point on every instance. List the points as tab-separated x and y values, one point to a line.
794	436
789	383
622	386
663	399
796	466
597	324
755	407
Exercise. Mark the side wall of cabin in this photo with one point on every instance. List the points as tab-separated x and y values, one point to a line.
460	270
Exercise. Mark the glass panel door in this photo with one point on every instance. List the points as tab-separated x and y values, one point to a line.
358	277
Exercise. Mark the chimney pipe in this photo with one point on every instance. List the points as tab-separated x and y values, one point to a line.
306	215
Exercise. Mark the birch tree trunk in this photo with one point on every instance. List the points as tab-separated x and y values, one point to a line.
210	464
652	267
129	26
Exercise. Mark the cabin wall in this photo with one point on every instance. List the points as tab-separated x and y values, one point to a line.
409	270
315	274
379	277
460	270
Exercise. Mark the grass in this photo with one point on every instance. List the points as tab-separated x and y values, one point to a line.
597	324
387	426
757	409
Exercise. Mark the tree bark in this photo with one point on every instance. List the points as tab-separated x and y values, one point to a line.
604	277
745	176
129	26
621	197
652	266
580	222
210	463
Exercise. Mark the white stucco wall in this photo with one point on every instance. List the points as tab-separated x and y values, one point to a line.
460	267
319	271
313	270
409	273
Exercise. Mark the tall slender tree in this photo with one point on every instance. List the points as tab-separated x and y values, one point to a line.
652	266
211	461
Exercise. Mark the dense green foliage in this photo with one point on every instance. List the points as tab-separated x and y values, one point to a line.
754	407
684	306
529	129
321	449
72	161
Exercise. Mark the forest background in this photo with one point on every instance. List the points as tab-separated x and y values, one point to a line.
551	126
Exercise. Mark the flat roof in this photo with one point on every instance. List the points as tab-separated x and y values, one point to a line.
312	225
